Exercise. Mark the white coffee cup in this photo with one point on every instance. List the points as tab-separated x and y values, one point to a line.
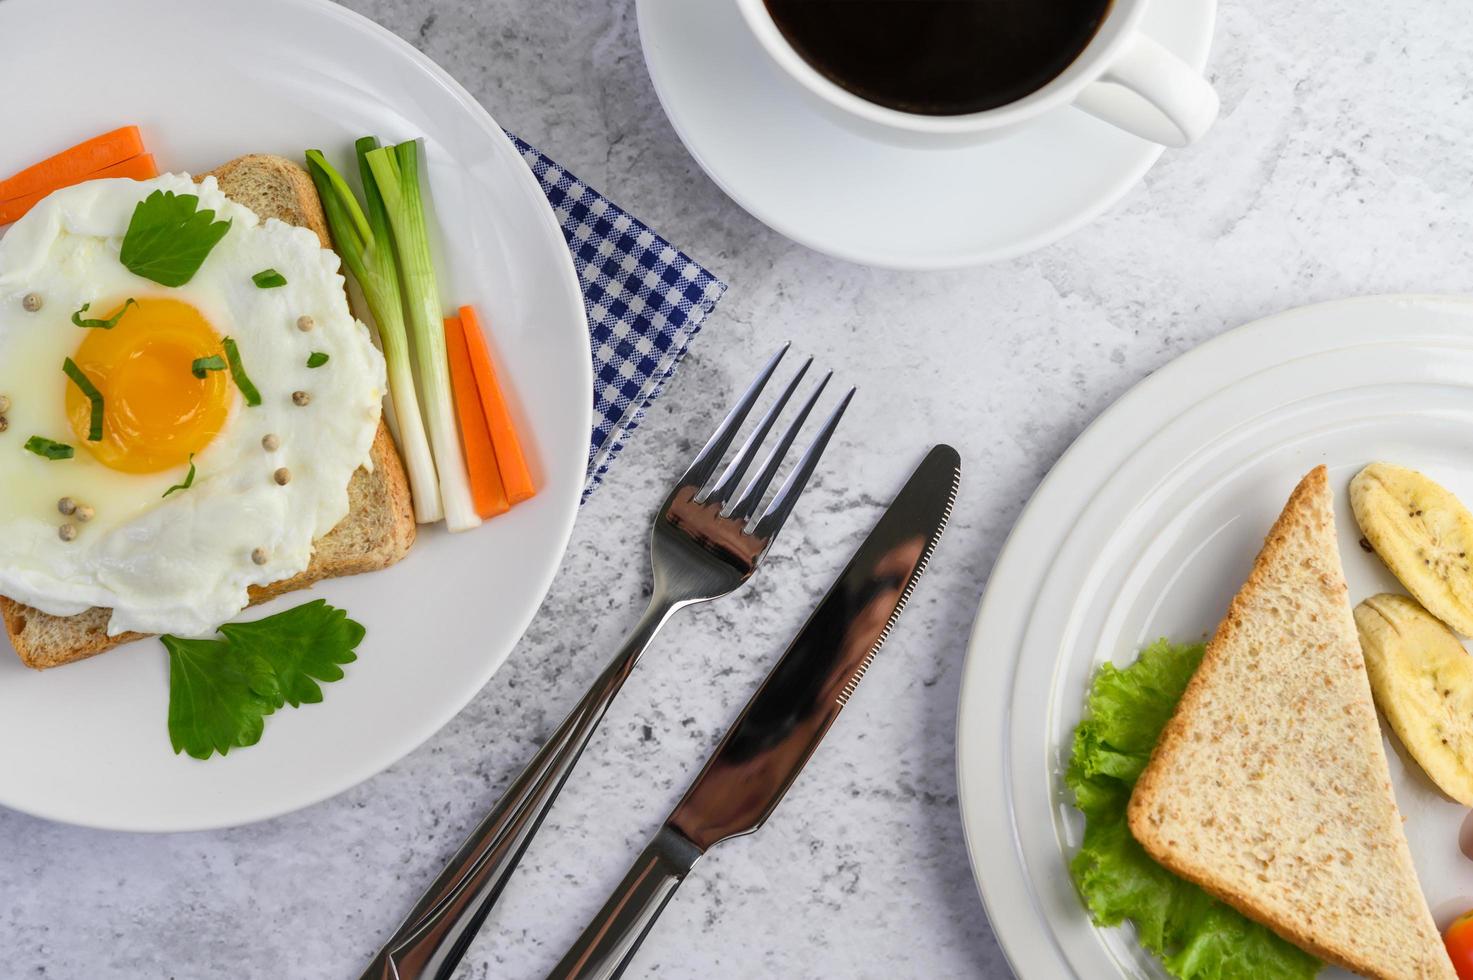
1122	76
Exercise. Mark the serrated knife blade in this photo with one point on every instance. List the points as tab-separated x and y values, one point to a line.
781	726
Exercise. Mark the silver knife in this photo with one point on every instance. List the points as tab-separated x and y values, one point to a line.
781	726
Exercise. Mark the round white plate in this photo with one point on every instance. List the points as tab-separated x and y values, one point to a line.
1146	528
838	192
87	743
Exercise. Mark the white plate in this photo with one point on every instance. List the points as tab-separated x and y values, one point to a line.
206	82
1146	528
839	192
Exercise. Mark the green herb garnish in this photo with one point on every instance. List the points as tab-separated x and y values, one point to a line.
94	426
220	691
268	279
237	371
42	446
169	238
188	479
204	365
316	359
361	235
107	324
1196	936
395	175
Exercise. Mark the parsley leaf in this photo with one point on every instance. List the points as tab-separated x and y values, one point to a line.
215	703
268	279
53	451
168	238
303	646
188	479
220	691
316	359
107	324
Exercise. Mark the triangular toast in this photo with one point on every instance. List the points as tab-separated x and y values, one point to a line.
1270	788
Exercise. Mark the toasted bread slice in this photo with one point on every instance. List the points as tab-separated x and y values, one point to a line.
379	528
274	187
1269	787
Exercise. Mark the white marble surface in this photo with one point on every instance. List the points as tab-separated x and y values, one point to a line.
1342	165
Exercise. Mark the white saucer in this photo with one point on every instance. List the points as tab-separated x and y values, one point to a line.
841	193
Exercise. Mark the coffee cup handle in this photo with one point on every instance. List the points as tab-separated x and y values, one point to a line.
1149	91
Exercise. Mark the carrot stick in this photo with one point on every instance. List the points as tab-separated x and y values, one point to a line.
141	167
487	492
514	473
73	165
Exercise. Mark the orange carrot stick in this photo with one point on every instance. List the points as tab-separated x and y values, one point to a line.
514	473
141	167
73	165
487	492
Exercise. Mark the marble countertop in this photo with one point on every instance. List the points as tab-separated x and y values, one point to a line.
1342	165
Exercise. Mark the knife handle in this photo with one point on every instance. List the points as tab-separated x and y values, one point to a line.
608	944
432	940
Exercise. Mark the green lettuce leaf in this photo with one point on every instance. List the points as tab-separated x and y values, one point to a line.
1196	936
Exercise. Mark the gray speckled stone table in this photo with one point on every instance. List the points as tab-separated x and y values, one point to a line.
1342	164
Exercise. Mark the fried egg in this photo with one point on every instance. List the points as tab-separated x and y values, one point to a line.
115	525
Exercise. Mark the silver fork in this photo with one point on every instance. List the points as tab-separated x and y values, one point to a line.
707	541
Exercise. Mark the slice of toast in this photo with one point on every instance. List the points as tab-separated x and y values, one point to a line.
1269	787
379	528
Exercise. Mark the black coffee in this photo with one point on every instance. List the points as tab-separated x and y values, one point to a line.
939	57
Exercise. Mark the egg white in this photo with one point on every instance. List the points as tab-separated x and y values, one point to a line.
178	564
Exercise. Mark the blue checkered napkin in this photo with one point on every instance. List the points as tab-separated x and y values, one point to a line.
646	302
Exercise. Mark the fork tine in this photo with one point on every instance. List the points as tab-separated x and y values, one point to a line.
782	505
751	497
710	455
737	468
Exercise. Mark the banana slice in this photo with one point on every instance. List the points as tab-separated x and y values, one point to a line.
1422	680
1424	535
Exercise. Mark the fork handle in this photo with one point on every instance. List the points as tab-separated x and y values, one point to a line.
613	937
447	917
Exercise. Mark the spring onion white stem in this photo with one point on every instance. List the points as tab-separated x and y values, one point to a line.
395	172
364	244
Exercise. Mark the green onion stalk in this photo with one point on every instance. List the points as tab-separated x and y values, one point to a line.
363	242
395	175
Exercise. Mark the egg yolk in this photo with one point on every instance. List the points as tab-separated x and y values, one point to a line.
155	411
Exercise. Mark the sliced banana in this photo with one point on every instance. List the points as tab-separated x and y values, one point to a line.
1422	680
1424	535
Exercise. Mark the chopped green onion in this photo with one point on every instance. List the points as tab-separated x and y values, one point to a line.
107	324
394	173
364	242
237	371
316	359
94	427
203	365
42	446
268	279
188	479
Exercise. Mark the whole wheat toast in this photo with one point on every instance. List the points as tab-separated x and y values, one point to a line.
1269	787
379	528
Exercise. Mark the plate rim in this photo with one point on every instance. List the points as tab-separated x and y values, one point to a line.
1009	897
566	513
904	261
